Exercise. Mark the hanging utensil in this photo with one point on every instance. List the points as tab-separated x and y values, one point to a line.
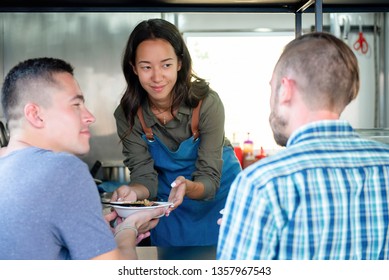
361	43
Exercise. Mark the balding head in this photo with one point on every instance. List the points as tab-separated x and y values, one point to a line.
325	70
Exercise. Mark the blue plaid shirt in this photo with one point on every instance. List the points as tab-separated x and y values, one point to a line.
323	197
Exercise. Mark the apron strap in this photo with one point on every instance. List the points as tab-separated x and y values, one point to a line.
147	130
195	121
194	125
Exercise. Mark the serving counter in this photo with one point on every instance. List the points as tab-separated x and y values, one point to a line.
177	253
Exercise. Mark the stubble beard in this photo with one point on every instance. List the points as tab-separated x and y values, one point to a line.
278	125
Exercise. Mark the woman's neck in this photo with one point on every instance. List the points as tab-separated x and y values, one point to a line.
161	105
162	111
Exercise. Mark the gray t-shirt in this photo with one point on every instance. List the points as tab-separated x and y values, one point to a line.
50	208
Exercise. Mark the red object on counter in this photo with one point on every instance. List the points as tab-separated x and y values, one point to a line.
261	154
239	154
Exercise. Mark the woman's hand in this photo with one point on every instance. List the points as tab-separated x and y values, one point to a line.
124	193
183	187
133	192
177	193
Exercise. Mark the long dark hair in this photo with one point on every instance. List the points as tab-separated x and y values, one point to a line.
188	88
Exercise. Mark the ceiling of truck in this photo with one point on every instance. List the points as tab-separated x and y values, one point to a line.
193	5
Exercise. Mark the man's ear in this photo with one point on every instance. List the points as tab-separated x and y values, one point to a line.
32	114
287	90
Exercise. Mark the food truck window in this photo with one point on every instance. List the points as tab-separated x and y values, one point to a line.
239	67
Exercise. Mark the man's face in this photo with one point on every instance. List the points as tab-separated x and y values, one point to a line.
66	118
277	122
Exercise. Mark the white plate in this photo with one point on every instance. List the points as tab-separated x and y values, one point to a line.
125	211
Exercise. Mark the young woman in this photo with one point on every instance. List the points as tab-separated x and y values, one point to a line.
172	129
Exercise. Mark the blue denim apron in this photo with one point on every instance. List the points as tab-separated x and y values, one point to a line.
194	222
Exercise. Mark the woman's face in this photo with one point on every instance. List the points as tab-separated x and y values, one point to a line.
156	66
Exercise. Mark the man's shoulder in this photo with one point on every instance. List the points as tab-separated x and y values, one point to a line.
269	168
49	154
50	159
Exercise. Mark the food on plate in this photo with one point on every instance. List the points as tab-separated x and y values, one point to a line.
138	203
144	202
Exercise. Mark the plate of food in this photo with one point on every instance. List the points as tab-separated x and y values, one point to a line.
126	208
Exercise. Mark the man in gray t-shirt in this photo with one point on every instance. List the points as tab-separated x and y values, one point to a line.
50	208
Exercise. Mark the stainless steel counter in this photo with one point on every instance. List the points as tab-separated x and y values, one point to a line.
377	134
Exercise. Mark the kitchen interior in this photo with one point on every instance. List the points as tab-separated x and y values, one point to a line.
91	35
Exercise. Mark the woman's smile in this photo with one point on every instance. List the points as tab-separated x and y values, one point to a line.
157	88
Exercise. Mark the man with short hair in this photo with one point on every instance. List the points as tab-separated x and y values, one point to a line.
49	203
326	195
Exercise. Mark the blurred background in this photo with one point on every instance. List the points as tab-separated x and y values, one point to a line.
235	52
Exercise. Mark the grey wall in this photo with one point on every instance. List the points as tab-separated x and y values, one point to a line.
93	43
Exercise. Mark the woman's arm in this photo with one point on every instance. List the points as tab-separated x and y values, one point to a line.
209	162
144	178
